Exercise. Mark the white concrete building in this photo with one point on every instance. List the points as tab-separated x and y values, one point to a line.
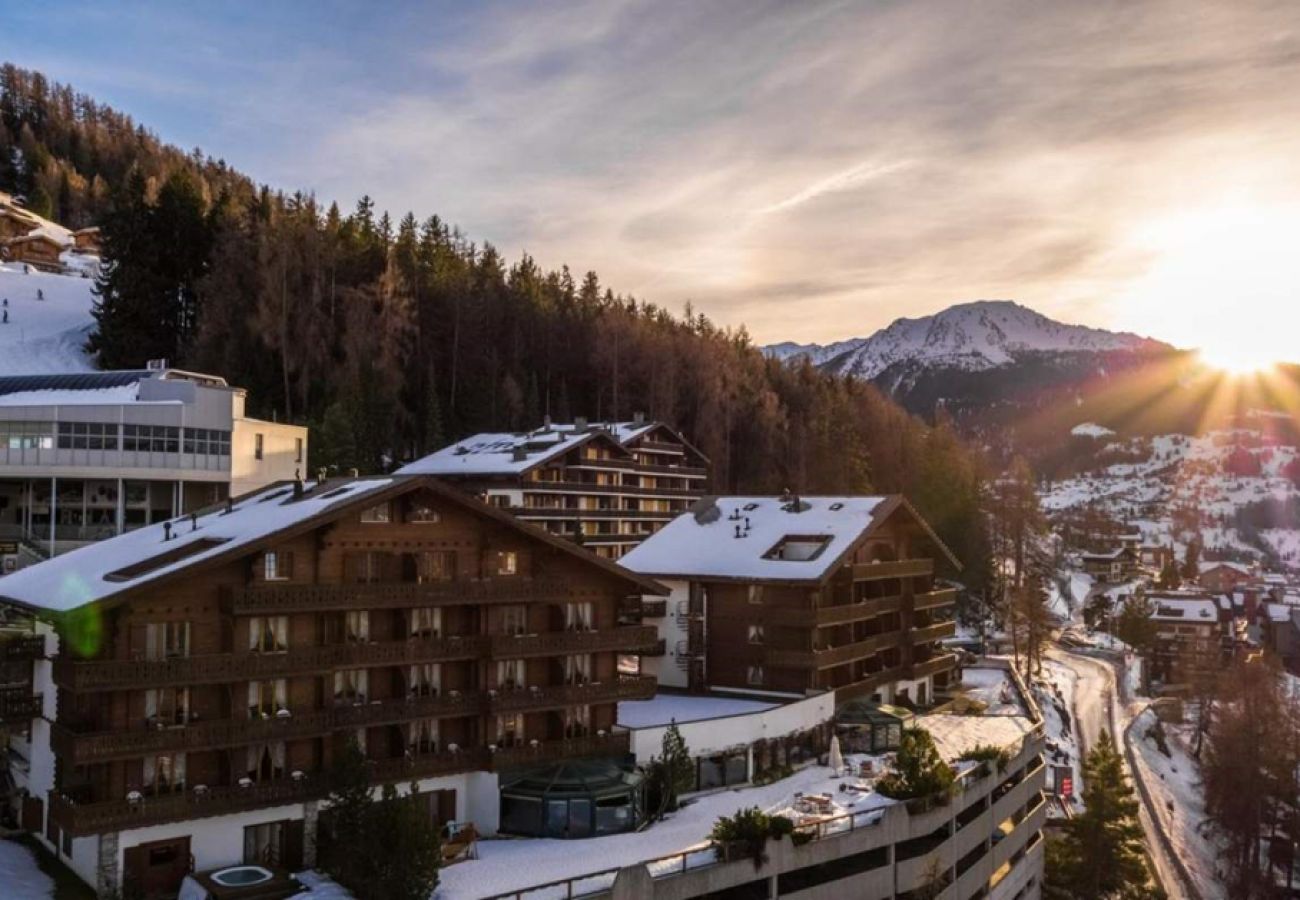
88	455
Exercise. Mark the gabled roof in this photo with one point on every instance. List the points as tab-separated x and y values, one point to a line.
505	453
109	570
704	543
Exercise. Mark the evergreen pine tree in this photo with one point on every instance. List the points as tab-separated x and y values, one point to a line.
1101	855
678	765
919	769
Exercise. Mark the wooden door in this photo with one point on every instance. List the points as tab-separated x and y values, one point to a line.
157	869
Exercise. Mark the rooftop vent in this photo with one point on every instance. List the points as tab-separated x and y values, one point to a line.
836	506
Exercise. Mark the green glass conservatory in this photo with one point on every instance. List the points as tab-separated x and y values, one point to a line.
576	799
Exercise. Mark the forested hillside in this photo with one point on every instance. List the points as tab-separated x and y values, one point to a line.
392	338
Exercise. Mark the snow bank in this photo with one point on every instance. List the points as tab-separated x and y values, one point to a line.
20	877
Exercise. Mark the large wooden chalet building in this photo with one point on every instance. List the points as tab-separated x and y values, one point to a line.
793	595
606	485
192	681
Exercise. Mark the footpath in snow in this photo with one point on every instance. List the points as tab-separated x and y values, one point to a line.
44	335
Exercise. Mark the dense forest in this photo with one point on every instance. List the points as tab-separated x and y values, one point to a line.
392	338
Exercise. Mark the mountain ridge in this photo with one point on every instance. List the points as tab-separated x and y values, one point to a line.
972	336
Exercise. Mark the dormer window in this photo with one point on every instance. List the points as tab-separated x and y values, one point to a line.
799	547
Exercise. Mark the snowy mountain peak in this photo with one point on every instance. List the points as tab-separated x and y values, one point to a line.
982	334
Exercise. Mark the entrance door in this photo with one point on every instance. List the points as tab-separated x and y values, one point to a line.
157	868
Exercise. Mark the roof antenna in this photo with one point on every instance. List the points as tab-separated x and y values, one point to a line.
167	532
738	534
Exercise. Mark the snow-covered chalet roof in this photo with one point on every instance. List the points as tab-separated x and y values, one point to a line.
1204	566
704	543
1172	610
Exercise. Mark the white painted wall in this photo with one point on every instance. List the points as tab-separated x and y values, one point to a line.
279	454
666	668
710	736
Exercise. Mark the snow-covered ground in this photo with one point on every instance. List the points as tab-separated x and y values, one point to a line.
512	864
993	688
1174	784
1054	690
20	877
48	335
1179	472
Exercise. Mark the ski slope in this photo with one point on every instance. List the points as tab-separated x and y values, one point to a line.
49	335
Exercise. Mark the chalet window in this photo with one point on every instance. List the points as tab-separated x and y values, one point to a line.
507	562
422	736
166	640
167	707
510	674
421	513
754	593
757	634
205	442
360	737
352	686
424	622
434	565
259	445
267	698
277	565
27	435
424	680
268	634
577	669
755	676
264	844
164	773
370	567
577	617
514	619
379	514
577	721
356	626
510	730
265	762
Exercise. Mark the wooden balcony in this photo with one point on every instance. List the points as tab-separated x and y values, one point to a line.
623	687
80	748
21	648
840	614
581	487
283	598
115	815
870	684
934	599
936	632
903	568
932	666
832	656
613	745
560	643
219	668
538	513
19	705
661	447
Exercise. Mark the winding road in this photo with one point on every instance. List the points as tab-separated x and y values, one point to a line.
1095	710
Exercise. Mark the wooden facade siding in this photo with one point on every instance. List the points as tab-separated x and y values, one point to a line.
936	632
25	648
624	687
833	656
944	663
903	568
280	598
934	599
19	705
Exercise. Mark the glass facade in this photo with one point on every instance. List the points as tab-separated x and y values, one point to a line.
578	799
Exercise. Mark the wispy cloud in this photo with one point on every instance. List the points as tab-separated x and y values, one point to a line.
810	169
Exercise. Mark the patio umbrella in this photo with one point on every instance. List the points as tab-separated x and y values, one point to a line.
837	756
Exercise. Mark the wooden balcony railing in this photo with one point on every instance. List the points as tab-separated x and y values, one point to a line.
932	666
611	745
18	705
840	614
83	818
832	656
903	568
558	643
582	487
934	599
551	512
80	748
217	668
624	687
936	632
654	609
276	598
21	648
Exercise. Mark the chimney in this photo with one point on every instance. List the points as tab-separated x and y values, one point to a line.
194	521
297	485
230	506
579	423
167	532
638	418
520	453
546	423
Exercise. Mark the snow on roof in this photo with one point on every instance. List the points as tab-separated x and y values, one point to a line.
954	735
495	453
1236	566
1278	612
1176	610
127	393
97	571
665	708
1090	429
705	544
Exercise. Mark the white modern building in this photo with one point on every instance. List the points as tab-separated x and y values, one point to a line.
84	456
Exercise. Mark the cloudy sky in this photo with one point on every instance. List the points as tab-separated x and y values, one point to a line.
813	169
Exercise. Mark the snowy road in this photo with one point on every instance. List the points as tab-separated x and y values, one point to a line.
1095	710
